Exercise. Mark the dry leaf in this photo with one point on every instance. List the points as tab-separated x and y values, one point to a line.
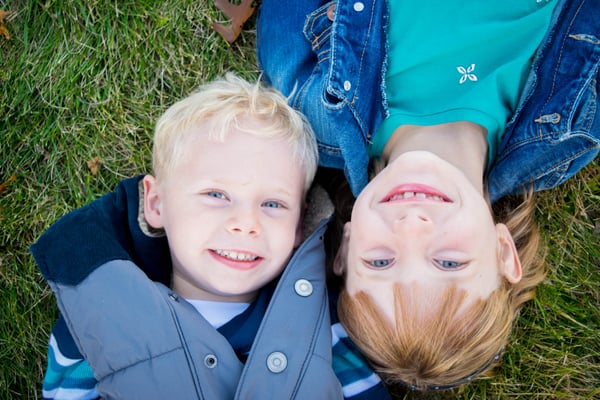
3	30
3	185
93	165
238	13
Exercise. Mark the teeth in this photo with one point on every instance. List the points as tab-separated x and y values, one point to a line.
234	255
418	195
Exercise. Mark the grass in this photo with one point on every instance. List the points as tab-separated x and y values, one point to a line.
81	79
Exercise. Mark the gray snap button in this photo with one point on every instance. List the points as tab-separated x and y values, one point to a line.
276	362
347	86
359	6
210	361
303	287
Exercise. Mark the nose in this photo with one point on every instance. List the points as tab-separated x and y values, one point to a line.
412	222
244	220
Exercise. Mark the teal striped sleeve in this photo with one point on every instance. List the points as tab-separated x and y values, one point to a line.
354	373
67	378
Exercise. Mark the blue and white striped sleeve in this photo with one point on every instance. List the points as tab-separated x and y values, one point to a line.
358	380
68	375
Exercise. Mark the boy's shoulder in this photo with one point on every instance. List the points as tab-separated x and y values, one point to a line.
106	229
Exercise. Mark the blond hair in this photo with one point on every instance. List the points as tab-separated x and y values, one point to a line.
445	348
225	104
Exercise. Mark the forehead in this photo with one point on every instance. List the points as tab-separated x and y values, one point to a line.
243	156
246	139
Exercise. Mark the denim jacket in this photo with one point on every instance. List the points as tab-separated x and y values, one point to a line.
335	76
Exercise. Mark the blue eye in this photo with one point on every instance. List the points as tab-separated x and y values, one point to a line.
380	263
272	204
216	195
447	264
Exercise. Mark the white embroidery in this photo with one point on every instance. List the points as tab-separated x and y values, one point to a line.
466	73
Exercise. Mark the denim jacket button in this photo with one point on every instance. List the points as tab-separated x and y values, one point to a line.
331	12
347	86
359	6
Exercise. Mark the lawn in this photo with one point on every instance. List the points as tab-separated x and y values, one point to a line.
81	84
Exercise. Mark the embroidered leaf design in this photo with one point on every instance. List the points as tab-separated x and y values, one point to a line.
466	73
3	30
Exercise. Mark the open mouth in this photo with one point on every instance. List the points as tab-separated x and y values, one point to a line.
415	192
235	255
239	260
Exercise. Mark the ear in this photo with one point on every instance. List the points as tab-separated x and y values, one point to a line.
339	263
510	264
152	203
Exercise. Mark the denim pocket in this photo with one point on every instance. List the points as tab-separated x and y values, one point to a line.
317	30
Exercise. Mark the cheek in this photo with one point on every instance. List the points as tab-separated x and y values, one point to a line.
368	234
470	232
282	234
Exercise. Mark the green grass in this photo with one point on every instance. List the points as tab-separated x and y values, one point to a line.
81	79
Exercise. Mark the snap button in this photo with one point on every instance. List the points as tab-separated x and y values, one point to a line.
303	287
359	6
347	86
210	361
331	12
276	362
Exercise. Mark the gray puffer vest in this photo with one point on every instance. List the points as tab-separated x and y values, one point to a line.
144	342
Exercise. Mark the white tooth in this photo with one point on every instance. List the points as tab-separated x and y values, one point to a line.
235	256
436	198
421	195
408	195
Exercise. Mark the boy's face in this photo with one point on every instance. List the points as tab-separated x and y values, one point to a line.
420	221
231	212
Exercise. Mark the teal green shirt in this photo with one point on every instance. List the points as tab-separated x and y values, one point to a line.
454	61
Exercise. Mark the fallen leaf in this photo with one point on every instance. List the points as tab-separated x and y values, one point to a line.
238	13
3	30
93	165
3	185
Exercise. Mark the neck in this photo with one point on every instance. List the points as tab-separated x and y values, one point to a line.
190	291
463	144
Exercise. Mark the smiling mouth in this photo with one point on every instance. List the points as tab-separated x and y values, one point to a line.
415	192
415	195
236	255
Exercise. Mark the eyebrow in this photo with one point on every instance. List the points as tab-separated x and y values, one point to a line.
216	181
